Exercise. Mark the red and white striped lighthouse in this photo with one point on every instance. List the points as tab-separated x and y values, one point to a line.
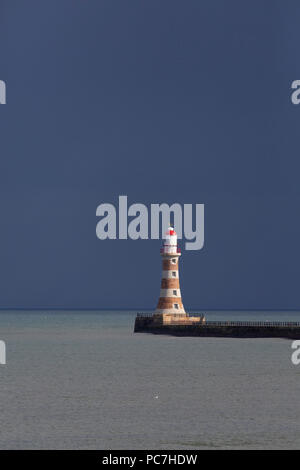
170	301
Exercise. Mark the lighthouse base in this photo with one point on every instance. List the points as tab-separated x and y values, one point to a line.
176	318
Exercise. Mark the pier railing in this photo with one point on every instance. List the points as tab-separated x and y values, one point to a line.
264	324
252	323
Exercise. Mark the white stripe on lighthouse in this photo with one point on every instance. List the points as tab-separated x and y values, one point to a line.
170	293
170	274
170	310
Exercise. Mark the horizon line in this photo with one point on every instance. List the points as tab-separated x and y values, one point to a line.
95	309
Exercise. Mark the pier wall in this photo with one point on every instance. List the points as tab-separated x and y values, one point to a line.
220	329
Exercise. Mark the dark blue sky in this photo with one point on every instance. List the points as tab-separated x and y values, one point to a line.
164	101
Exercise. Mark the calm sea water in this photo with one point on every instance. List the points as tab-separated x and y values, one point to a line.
83	380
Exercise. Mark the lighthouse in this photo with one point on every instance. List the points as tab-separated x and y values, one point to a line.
170	304
170	310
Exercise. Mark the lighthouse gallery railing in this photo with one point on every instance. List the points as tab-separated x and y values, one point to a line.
178	250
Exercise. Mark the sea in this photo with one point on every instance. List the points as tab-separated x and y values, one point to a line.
84	380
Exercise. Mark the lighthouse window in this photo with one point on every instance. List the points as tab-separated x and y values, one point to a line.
174	292
174	260
176	306
174	273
